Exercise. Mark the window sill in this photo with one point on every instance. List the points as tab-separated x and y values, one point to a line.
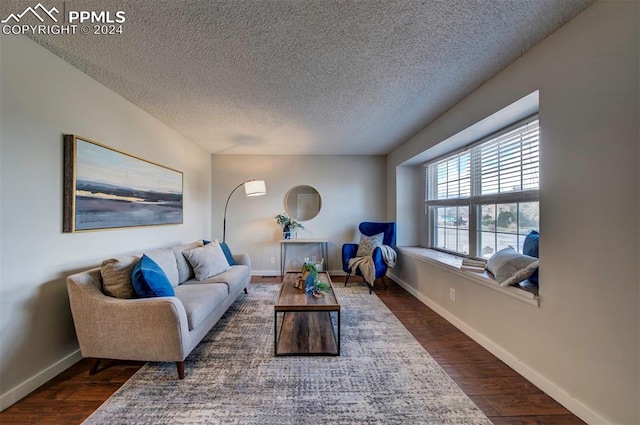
452	263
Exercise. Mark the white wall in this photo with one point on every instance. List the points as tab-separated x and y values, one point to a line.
582	344
352	190
42	98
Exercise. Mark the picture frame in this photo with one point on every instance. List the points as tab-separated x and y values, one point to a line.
105	188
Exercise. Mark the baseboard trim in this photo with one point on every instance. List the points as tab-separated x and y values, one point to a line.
265	273
558	394
19	392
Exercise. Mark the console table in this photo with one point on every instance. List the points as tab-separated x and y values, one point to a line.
284	243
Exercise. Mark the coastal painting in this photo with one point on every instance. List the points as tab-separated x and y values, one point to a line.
107	189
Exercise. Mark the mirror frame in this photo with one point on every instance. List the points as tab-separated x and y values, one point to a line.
291	204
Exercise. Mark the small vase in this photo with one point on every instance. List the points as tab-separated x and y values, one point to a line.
286	233
310	283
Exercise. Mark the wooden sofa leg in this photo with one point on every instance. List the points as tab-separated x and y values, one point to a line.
180	367
347	279
245	291
94	366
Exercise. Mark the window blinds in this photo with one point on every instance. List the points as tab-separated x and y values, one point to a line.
506	163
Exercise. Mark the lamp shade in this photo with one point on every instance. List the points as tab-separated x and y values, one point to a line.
255	188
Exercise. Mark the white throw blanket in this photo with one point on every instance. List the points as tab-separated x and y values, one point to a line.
366	263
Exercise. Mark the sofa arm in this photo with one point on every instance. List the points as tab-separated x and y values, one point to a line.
243	259
149	329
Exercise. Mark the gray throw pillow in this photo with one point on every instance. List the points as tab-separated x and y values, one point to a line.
510	268
368	244
185	271
207	261
166	259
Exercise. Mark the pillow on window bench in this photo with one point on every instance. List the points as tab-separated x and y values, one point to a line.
530	248
510	267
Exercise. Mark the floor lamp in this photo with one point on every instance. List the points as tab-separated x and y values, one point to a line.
251	188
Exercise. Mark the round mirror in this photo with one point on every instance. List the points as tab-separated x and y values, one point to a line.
303	202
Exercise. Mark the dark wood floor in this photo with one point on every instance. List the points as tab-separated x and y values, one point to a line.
500	392
503	395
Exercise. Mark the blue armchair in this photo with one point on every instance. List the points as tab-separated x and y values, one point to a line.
349	250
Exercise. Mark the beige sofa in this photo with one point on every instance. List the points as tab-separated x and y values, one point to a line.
162	329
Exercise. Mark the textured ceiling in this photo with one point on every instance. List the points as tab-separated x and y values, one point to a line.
303	77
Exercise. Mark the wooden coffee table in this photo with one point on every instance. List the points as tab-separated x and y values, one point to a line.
305	328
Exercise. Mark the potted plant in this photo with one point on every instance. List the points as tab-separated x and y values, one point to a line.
313	284
288	224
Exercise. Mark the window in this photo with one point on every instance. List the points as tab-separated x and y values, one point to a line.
485	198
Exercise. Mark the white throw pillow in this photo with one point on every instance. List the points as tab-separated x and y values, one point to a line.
368	244
510	268
207	261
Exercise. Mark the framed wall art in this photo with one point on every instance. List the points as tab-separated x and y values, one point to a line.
107	189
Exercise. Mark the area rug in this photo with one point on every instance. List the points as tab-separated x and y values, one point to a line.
383	375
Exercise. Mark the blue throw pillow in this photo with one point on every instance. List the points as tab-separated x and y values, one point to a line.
150	281
530	248
227	253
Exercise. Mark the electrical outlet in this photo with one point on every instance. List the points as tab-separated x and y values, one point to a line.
273	260
452	294
313	258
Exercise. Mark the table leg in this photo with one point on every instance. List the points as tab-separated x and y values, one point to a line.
275	333
338	332
283	257
325	255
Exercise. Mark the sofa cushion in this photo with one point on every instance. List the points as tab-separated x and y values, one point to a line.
149	280
165	258
207	261
236	278
185	271
200	300
510	267
116	276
